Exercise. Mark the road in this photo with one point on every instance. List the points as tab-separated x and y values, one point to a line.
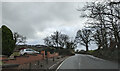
80	61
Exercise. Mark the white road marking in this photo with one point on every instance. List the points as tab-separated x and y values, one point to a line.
52	66
61	64
79	65
55	64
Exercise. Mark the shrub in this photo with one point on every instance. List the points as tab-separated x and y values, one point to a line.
66	52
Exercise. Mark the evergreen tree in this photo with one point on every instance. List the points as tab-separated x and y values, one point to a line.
8	43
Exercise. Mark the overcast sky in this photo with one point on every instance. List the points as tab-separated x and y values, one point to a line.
36	20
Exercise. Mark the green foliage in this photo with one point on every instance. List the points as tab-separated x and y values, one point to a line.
8	43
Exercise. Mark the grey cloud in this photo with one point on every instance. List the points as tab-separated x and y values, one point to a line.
36	20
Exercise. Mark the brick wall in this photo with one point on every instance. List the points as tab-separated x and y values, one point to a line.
23	60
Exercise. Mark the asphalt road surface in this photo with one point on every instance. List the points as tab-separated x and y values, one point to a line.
80	61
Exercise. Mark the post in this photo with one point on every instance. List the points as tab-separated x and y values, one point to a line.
47	60
30	66
38	62
43	53
53	59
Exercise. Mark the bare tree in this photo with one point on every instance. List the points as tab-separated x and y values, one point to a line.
114	20
71	45
47	41
63	40
98	38
106	16
57	39
16	36
19	38
84	37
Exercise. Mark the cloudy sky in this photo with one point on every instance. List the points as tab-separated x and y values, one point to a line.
36	20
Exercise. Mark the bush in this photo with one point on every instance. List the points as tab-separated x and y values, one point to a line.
8	43
66	52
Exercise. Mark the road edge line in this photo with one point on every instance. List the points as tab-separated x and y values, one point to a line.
52	66
61	64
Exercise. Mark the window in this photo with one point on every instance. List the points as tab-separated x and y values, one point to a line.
28	50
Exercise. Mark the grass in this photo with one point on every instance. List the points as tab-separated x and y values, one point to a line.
107	54
90	51
15	54
1	63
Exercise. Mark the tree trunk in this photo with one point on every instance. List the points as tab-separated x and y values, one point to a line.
118	44
86	48
99	47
